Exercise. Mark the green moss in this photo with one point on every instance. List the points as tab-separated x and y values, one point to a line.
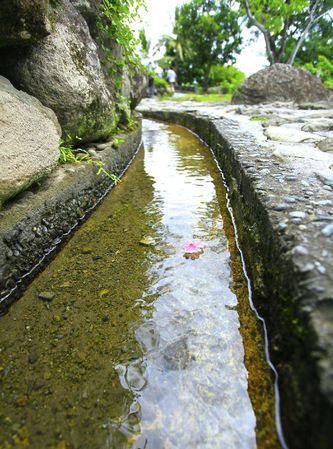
256	118
198	97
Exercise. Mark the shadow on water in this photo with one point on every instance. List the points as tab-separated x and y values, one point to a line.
122	342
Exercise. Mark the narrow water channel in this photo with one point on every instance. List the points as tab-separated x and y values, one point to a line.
122	342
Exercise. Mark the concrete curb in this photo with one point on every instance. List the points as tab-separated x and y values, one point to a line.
36	222
289	258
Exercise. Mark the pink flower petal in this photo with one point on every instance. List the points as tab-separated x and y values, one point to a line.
193	246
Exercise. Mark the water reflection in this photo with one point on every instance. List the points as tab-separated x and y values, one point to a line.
192	384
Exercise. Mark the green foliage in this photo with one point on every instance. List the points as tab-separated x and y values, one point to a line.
70	155
323	68
207	33
160	83
116	19
145	44
227	77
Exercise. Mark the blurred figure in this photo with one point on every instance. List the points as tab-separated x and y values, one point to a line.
151	86
171	78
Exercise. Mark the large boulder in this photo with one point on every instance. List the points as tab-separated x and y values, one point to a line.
280	82
24	21
29	140
134	85
64	72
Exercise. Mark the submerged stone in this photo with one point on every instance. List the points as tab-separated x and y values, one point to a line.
46	296
148	241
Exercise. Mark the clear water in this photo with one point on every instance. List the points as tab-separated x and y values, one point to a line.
141	347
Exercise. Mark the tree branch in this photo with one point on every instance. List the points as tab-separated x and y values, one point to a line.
262	29
312	20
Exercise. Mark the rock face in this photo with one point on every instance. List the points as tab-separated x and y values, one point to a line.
134	88
29	144
23	21
64	72
280	82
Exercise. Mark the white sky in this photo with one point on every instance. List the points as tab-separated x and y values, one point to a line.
158	20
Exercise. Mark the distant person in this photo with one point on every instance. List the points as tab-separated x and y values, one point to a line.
171	78
151	86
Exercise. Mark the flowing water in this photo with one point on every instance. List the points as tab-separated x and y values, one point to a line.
122	342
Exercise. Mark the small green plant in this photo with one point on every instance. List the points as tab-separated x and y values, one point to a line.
67	154
116	142
256	118
70	155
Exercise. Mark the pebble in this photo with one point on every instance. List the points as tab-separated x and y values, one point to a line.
282	226
148	241
46	296
307	267
281	206
320	268
101	146
300	250
328	230
297	214
325	203
290	199
86	250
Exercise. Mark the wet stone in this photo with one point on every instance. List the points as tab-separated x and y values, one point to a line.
297	214
328	230
307	267
300	250
281	207
282	226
